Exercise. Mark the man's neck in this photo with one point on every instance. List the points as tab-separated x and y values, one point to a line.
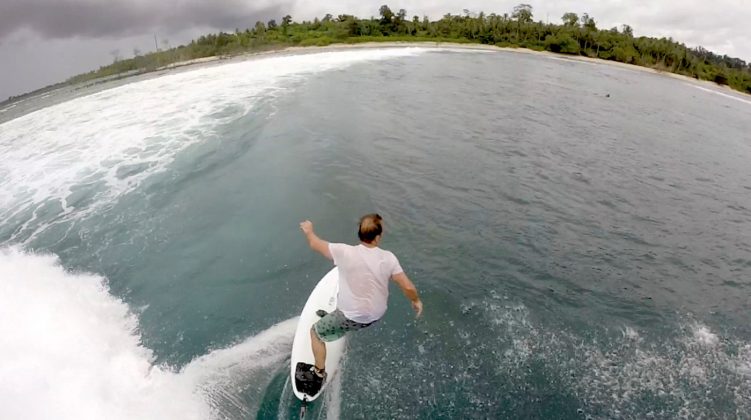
367	245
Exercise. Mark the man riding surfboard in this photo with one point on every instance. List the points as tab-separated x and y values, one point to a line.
364	272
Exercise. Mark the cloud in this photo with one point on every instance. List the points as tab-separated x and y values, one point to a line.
118	18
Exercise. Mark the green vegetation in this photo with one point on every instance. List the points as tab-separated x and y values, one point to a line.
576	35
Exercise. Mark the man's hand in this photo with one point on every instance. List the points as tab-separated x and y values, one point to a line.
316	243
306	227
417	306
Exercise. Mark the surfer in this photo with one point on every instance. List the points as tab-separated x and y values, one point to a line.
364	272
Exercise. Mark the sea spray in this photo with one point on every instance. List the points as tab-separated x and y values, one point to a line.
71	350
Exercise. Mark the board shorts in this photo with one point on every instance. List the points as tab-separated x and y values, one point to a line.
335	325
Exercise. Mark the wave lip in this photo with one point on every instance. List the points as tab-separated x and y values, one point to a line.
70	350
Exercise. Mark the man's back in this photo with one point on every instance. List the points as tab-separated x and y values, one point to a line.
364	273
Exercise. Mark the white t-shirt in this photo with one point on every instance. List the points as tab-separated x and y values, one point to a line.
364	275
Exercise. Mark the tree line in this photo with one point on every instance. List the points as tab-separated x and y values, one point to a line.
576	35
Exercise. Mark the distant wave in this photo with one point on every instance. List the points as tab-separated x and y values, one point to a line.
64	162
727	95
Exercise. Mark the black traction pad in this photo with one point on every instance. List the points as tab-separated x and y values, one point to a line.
306	381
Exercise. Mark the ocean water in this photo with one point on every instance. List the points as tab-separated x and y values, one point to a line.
580	235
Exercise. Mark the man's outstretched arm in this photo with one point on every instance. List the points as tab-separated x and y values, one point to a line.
316	243
409	290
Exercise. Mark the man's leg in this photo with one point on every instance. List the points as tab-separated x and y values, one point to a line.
319	350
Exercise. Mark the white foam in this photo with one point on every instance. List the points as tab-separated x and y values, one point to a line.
70	350
703	336
630	333
225	376
102	137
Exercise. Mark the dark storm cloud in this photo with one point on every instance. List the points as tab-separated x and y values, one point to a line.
115	18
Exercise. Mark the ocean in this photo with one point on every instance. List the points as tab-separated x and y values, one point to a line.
580	234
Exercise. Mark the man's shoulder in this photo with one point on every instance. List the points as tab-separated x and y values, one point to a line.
387	253
340	245
339	249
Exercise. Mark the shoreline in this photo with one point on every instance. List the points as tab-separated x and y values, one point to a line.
182	65
457	45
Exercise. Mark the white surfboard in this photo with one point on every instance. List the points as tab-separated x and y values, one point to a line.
323	297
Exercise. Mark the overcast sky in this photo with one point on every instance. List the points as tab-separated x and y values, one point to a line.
46	41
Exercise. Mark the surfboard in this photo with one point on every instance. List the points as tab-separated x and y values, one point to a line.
324	297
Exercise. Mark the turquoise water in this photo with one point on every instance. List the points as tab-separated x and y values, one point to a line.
579	255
